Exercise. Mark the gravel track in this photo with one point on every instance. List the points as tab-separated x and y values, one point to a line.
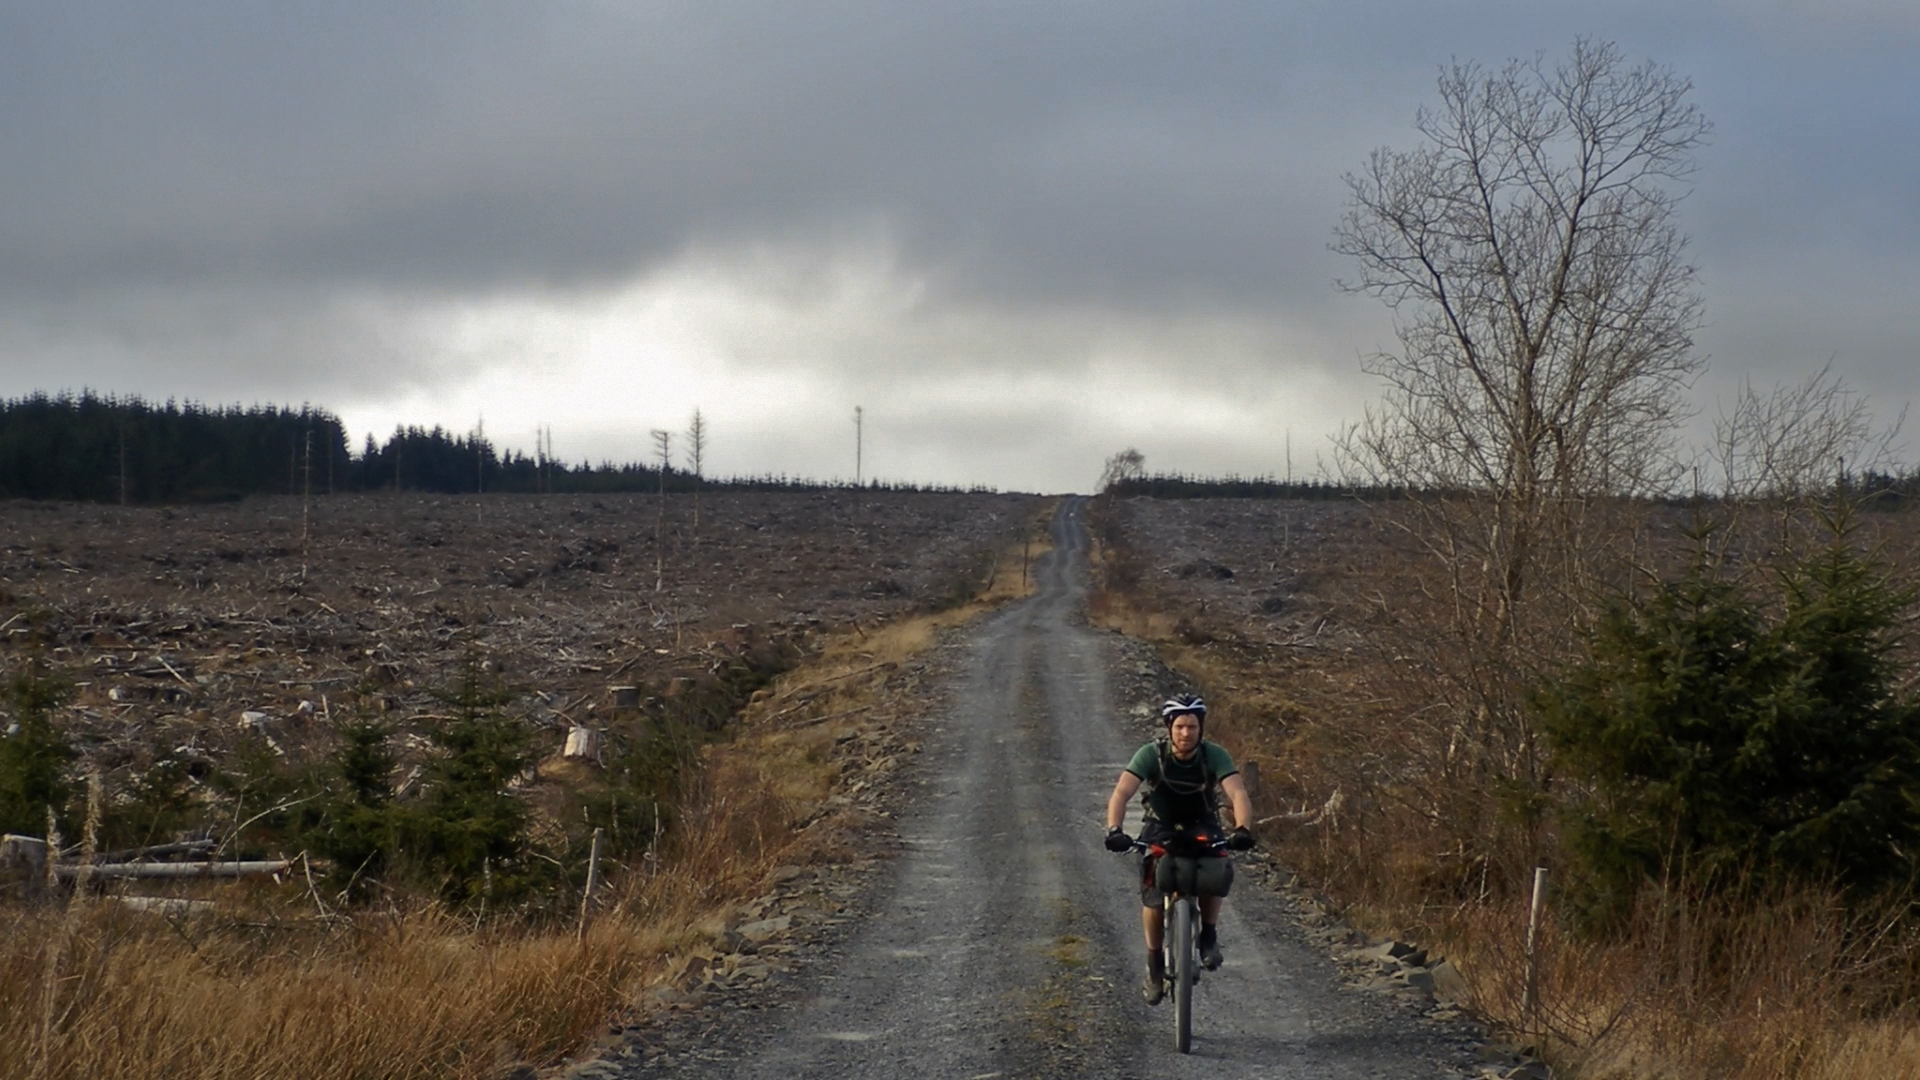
1003	941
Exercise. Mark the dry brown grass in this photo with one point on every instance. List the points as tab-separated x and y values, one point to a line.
113	993
257	990
261	988
1794	988
254	991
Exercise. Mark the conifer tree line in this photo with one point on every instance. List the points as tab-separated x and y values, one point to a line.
115	449
1183	486
1871	489
124	449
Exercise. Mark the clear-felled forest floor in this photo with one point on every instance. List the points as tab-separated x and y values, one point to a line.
183	626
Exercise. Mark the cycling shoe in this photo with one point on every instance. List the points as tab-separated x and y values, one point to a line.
1210	957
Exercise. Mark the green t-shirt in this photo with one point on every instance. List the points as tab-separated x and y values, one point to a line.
1181	796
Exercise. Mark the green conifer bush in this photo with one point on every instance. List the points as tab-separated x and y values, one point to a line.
1716	739
34	756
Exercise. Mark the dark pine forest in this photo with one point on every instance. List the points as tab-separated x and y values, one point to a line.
123	449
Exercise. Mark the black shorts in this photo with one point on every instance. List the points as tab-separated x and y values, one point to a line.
1155	832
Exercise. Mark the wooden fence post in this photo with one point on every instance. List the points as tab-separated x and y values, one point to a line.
1532	1001
593	878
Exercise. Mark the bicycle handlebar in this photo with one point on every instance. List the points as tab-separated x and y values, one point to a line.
1217	846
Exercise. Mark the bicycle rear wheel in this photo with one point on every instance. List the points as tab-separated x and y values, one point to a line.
1184	971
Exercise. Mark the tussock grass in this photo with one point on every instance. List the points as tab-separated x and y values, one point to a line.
113	993
1795	987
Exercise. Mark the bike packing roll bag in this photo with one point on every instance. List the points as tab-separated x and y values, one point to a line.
1209	876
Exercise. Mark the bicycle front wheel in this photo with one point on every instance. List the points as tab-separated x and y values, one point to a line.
1185	971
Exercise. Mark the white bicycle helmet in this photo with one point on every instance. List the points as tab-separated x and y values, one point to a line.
1183	703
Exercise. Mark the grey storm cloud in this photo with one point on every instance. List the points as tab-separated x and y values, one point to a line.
1074	148
253	198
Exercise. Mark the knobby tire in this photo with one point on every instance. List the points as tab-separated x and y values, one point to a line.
1183	970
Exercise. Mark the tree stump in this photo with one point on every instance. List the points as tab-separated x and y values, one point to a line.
583	743
23	866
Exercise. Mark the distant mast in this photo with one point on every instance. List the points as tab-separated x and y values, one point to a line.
858	432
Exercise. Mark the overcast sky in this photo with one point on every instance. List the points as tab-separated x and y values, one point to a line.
1022	235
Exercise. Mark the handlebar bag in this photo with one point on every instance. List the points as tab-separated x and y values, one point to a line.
1206	876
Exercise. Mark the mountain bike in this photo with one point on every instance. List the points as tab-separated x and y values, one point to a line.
1187	867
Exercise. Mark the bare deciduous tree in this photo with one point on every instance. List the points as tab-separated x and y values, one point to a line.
1128	464
1798	461
1544	309
1543	303
1796	441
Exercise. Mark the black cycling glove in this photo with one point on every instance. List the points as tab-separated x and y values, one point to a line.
1241	839
1118	840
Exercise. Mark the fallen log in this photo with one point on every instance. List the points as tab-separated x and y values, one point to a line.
157	851
174	870
165	905
1309	817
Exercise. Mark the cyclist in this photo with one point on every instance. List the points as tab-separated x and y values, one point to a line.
1183	775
